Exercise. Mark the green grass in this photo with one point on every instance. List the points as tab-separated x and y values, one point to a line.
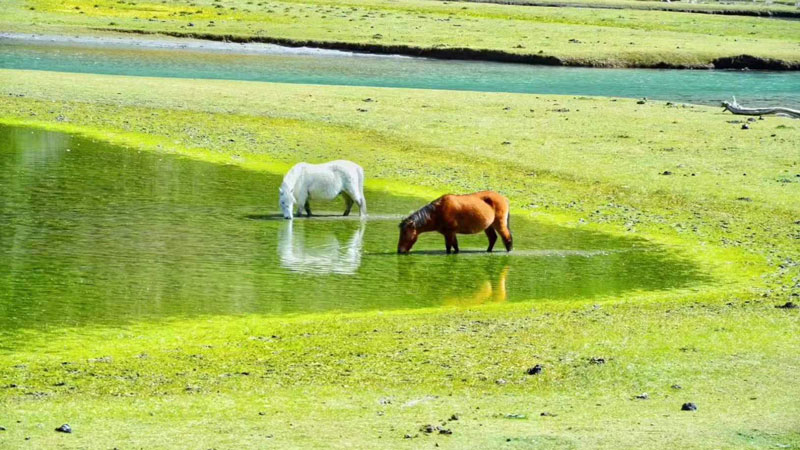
579	36
368	379
711	6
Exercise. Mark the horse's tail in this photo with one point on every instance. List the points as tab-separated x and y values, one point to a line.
509	241
497	201
362	207
360	173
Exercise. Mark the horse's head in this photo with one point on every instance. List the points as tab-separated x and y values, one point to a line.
286	201
408	236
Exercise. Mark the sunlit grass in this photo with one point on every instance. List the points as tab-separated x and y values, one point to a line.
576	35
685	5
370	379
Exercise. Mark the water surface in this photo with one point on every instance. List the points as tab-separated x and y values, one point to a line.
96	234
261	62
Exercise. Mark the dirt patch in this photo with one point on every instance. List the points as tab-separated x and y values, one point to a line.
754	63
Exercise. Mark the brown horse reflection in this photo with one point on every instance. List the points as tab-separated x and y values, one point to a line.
488	292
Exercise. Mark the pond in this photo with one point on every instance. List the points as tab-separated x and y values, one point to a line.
96	234
262	62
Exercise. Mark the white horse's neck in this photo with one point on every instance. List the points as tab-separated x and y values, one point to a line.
291	178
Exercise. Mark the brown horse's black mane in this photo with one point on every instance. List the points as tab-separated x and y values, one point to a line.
421	216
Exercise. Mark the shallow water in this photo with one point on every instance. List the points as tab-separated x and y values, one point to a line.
260	62
96	234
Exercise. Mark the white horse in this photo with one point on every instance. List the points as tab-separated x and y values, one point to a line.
326	181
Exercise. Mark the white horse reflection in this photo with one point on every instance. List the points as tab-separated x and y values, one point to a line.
325	255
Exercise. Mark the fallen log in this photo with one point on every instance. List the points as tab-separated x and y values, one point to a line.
736	108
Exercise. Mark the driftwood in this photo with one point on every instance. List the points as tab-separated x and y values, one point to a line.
738	109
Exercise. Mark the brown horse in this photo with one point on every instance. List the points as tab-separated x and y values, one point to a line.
465	214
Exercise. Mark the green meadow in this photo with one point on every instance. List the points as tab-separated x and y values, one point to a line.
688	178
572	36
765	9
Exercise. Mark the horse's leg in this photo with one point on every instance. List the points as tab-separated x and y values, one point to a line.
356	196
501	226
348	202
452	241
505	235
302	201
448	242
362	206
492	235
308	208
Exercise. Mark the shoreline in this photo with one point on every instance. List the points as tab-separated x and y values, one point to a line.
734	62
175	43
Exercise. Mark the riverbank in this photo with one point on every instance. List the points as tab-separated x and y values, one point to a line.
687	177
524	34
742	61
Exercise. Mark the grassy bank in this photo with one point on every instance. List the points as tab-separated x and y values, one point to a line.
774	9
368	379
571	36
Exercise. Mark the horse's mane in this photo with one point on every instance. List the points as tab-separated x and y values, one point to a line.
421	216
290	179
